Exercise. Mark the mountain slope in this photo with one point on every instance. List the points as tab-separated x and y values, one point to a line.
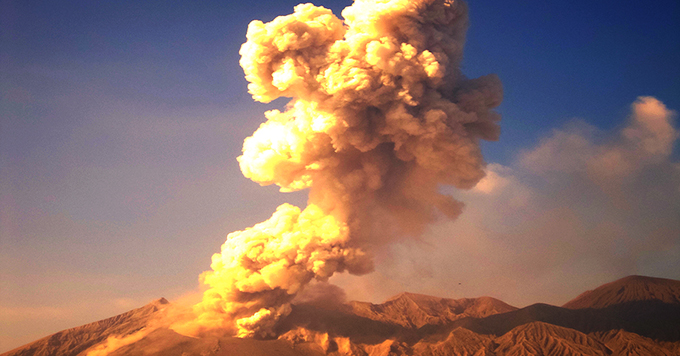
459	342
623	343
628	289
74	341
165	342
539	338
412	310
642	319
650	318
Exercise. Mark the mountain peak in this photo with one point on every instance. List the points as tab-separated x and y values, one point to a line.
628	289
415	297
414	310
75	340
539	338
160	301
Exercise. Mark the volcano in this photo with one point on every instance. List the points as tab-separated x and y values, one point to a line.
635	315
626	290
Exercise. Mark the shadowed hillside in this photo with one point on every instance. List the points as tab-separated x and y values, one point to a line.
629	289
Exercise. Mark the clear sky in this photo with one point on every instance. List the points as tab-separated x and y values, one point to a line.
120	124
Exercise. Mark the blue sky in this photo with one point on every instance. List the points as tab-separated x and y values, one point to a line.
120	124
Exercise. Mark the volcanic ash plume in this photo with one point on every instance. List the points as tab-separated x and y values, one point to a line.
380	117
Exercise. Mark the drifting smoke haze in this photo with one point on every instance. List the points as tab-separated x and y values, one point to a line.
583	202
380	118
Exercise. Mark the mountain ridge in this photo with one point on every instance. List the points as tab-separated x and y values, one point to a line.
643	319
416	310
75	341
628	289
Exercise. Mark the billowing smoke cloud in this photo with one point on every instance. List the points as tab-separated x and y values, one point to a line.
380	118
581	208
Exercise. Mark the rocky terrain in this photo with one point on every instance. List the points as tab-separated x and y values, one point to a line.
632	316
